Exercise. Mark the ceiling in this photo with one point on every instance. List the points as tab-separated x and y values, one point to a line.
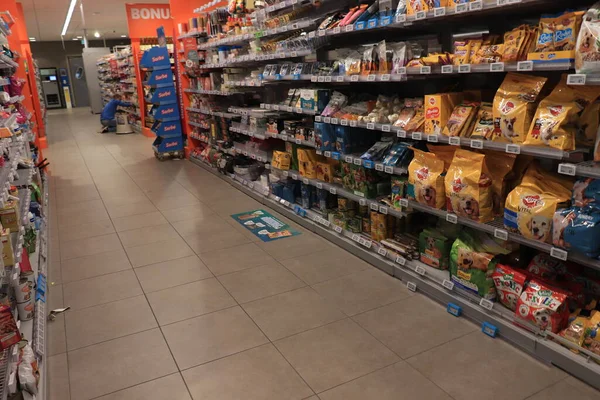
45	18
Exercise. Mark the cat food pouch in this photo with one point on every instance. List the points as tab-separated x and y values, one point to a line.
426	180
509	284
544	306
469	187
513	106
530	207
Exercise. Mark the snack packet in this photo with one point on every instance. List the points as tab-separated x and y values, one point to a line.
545	38
514	105
587	54
509	284
462	52
591	339
460	119
425	178
543	306
565	30
469	187
484	123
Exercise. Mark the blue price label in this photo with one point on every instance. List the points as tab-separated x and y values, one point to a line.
359	26
368	164
385	21
335	155
372	23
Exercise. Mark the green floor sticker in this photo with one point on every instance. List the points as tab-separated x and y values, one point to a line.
264	225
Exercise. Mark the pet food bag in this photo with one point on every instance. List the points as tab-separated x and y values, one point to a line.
484	123
530	207
555	120
544	306
469	187
460	120
546	267
586	192
577	229
434	249
587	55
500	166
471	266
426	180
438	108
513	105
509	284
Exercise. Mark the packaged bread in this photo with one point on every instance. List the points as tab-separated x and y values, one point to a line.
587	54
426	180
469	186
514	105
530	207
484	123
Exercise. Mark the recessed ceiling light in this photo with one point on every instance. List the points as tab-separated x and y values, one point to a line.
75	38
123	35
96	34
79	37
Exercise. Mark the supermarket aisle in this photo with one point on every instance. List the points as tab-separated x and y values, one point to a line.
171	299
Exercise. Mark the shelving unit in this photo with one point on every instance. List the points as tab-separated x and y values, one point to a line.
244	62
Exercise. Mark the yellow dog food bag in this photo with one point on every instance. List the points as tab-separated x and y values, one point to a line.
555	121
438	108
530	207
469	187
426	180
500	166
514	106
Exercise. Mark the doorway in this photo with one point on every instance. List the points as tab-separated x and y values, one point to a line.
79	87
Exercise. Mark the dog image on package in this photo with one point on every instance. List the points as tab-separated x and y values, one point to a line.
469	187
514	105
530	207
426	180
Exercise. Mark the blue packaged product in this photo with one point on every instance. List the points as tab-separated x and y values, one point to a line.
305	195
324	136
586	192
343	143
277	189
288	194
577	229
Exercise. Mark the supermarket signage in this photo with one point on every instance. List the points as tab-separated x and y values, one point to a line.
144	18
264	225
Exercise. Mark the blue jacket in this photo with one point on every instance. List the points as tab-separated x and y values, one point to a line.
110	109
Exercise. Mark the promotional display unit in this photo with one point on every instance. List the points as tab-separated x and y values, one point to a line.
23	216
460	159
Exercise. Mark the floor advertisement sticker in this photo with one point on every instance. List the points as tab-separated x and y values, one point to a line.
264	225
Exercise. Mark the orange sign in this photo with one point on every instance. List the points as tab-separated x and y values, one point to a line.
143	19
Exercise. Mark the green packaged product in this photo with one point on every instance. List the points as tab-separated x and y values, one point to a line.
355	224
434	249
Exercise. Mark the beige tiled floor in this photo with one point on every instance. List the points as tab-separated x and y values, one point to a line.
172	300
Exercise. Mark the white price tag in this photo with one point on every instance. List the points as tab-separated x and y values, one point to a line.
322	32
454	140
285	174
332	190
576	79
298	110
321	79
432	138
353	123
339	78
400	260
327	154
349	159
389	169
318	118
354	78
420	15
448	284
344	122
400	18
382	252
513	149
501	2
476	5
371	78
298	141
386	128
385	77
314	78
327	120
477	144
501	234
338	229
420	270
559	253
267	106
357	161
334	121
356	238
305	181
464	69
349	28
403	203
567	169
245	153
447	69
425	70
251	185
525	66
319	152
362	202
497	67
337	30
452	218
411	286
461	8
276	107
374	206
383	210
378	167
295	177
328	79
487	304
417	135
439	11
401	133
402	71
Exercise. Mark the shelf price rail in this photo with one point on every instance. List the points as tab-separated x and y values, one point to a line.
429	281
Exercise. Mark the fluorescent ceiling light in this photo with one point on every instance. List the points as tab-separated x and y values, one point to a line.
79	37
68	19
96	34
32	39
75	38
123	35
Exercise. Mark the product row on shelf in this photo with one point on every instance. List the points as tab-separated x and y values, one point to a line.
480	188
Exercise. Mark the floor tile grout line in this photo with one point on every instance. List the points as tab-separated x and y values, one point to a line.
139	384
548	387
